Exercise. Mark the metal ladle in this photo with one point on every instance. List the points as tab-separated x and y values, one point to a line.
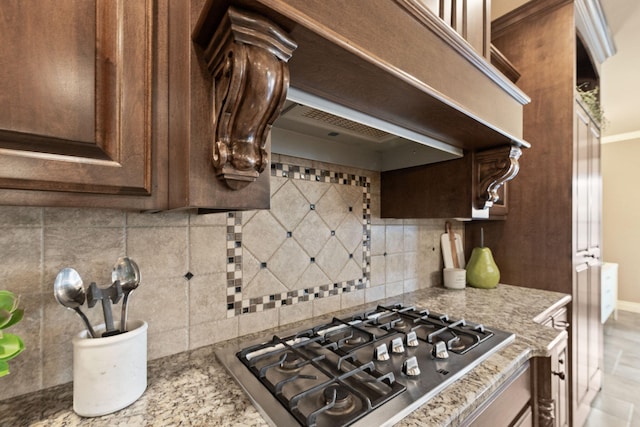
70	293
125	271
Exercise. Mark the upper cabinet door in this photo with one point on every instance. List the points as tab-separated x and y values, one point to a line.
76	83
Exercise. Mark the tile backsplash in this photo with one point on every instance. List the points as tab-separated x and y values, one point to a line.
313	243
208	278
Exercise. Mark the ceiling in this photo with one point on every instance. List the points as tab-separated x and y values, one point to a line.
620	94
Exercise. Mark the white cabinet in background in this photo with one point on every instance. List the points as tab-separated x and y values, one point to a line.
609	290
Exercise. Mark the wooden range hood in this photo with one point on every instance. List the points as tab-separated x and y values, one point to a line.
393	60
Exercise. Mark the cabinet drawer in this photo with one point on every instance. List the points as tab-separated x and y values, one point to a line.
508	406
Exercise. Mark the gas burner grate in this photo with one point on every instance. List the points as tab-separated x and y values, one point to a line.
338	373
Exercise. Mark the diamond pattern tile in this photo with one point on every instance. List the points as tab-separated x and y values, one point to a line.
357	255
289	206
332	259
312	233
332	208
312	190
263	235
350	233
312	243
288	263
247	215
351	194
264	283
350	271
313	277
276	183
250	266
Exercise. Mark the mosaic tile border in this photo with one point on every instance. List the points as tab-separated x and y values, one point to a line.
236	305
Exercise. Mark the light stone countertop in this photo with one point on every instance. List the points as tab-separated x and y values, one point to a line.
194	389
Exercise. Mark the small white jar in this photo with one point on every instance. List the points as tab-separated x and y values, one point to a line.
454	278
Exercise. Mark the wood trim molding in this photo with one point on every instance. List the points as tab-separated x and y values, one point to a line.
529	10
503	64
592	26
494	168
455	40
247	58
590	23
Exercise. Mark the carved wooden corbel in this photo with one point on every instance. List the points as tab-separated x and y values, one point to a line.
494	168
247	57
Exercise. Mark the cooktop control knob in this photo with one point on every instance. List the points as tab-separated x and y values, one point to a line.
381	353
412	339
410	367
439	350
397	346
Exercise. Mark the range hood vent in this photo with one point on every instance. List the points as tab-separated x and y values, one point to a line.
318	129
310	116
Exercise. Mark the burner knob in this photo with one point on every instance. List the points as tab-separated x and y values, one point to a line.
410	367
412	339
397	346
381	353
439	350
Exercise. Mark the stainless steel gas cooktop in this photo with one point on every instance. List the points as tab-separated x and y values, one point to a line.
372	368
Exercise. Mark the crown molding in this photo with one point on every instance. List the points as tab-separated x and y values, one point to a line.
592	26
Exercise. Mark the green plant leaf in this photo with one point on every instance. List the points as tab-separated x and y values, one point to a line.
8	301
5	318
10	346
4	368
15	318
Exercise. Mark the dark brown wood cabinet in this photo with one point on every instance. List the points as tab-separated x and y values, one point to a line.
152	104
551	375
81	122
473	187
550	239
107	104
587	368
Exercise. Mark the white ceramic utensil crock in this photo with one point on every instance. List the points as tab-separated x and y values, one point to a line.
454	278
109	373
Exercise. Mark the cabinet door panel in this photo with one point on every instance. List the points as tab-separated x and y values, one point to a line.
595	326
75	86
595	190
582	179
580	332
587	329
47	70
561	386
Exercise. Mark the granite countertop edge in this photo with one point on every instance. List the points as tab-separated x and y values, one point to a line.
194	389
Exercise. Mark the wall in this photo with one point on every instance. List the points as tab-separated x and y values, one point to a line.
208	278
621	230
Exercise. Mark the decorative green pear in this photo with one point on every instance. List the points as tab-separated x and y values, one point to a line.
482	271
10	345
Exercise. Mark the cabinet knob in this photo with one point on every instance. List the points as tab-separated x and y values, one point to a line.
559	374
560	324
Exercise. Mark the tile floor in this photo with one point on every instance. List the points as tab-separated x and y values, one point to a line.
618	403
